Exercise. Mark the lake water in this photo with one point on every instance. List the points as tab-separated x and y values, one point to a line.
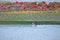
29	32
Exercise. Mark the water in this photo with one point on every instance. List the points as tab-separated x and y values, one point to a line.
29	32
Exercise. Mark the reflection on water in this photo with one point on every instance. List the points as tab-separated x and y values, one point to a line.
29	32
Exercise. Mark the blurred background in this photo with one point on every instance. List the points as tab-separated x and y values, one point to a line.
29	32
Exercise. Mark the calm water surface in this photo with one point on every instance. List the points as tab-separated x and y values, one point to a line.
29	32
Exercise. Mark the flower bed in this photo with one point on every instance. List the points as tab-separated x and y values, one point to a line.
29	6
24	12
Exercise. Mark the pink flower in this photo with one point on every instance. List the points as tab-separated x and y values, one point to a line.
25	8
50	8
58	8
58	4
35	6
38	7
9	7
31	7
44	8
1	5
45	5
3	8
18	4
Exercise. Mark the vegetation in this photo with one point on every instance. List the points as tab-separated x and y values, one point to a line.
28	6
29	12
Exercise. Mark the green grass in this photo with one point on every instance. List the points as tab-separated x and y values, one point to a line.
29	18
30	22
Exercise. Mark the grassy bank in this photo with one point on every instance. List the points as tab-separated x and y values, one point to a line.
29	17
30	22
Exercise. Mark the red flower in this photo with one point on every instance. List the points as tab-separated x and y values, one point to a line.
50	8
4	8
58	4
17	4
35	6
25	8
53	7
45	5
9	7
39	8
44	8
